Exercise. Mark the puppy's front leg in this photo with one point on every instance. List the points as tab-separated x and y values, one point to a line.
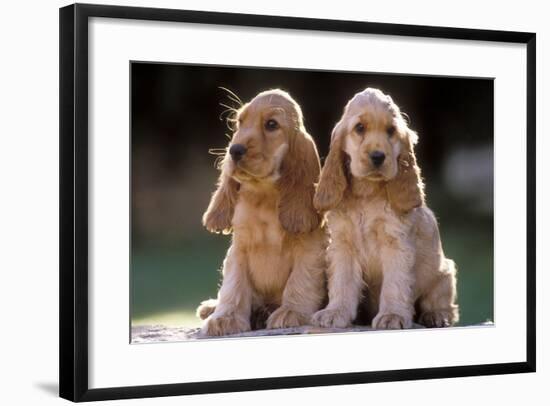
345	284
234	305
304	293
396	309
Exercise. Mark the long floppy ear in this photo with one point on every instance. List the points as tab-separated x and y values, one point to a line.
406	189
333	183
299	172
218	217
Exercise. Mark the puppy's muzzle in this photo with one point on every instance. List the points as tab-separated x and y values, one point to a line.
237	151
377	158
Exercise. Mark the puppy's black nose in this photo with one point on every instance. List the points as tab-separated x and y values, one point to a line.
237	151
377	158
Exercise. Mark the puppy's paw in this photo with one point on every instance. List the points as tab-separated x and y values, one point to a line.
391	321
222	325
206	308
332	318
437	318
285	317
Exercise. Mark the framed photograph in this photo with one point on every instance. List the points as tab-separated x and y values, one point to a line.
255	202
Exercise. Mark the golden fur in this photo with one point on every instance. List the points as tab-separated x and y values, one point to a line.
266	200
384	240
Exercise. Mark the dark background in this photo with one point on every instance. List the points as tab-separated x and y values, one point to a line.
175	118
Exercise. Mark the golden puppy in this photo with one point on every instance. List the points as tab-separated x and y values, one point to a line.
382	234
265	198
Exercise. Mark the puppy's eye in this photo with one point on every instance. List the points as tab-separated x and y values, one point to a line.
360	128
391	131
271	125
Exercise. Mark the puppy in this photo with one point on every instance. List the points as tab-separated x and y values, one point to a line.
265	198
382	234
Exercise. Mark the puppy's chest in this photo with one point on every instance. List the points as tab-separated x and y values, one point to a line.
259	233
376	230
370	232
258	227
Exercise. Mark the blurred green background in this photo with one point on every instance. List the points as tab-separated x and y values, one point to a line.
175	118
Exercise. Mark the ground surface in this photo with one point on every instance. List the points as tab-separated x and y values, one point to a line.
159	333
149	334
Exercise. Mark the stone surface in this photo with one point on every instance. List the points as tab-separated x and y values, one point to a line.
159	333
149	334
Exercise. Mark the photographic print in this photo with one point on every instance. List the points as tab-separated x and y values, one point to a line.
269	201
255	209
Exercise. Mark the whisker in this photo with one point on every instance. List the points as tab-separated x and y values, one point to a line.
217	151
218	162
238	102
236	98
228	115
406	117
230	124
230	108
230	112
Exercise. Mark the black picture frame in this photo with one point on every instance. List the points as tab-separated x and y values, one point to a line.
73	277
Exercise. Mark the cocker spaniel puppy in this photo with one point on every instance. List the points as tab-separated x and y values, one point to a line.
265	198
384	240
